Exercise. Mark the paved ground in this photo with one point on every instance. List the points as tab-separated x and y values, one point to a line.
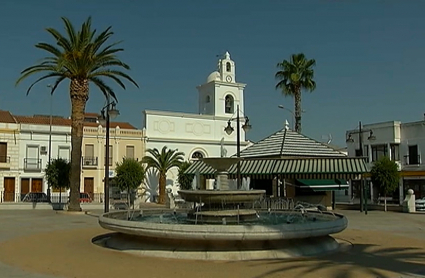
43	244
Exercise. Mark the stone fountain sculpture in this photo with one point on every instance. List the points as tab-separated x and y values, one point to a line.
223	204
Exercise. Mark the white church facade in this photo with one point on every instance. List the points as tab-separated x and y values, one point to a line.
200	135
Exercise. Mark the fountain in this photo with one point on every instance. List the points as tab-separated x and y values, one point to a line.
232	205
223	224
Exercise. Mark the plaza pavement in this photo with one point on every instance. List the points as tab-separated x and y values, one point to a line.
45	244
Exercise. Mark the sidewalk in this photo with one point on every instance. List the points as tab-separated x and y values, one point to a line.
59	245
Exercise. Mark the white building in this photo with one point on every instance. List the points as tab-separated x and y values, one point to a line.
9	157
34	149
403	143
201	135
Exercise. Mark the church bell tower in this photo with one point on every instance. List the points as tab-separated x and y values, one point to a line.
221	94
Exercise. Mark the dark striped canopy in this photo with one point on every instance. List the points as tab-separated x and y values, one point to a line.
310	168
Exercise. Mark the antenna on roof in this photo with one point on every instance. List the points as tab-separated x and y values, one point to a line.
328	138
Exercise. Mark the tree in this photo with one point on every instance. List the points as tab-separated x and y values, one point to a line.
82	58
162	162
385	175
185	180
129	175
293	76
57	174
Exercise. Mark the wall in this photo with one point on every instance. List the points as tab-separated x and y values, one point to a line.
38	135
187	133
189	127
119	140
9	133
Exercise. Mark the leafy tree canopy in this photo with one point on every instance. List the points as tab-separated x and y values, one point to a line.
129	174
58	173
385	175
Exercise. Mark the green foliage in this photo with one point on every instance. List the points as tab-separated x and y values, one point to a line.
385	175
129	174
185	180
164	160
80	55
295	74
57	173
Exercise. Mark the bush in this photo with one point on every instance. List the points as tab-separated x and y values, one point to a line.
185	180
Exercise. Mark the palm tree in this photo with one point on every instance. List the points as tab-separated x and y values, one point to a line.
81	57
295	75
163	162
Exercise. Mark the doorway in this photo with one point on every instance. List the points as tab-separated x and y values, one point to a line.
25	187
9	190
37	185
89	187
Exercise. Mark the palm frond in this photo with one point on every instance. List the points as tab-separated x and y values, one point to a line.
52	74
106	90
164	160
81	54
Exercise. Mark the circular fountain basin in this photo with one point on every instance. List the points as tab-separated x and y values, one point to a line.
330	224
223	242
221	196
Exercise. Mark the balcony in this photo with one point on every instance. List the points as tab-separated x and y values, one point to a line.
32	164
4	162
90	162
412	159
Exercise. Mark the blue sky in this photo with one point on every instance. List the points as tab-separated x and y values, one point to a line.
369	57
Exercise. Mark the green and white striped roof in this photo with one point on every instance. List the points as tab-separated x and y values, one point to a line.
294	144
330	167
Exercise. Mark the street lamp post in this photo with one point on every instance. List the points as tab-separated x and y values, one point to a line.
293	114
229	129
50	141
111	112
363	190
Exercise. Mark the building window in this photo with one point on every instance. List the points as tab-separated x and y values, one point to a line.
365	152
395	154
110	155
3	152
89	151
358	153
208	100
229	104
197	155
379	151
32	160
64	152
129	152
228	67
413	156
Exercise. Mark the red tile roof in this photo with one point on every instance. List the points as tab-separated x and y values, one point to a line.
93	115
6	117
42	120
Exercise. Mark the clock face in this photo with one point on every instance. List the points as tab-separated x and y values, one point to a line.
228	78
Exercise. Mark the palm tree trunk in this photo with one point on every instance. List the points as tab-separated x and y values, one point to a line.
79	91
162	181
298	109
